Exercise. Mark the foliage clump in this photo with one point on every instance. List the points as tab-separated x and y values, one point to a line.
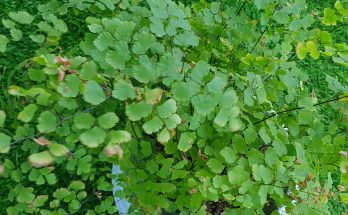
203	107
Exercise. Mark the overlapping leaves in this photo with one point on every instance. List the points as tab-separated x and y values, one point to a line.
194	115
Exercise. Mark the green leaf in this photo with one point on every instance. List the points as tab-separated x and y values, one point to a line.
344	197
70	87
167	109
21	17
2	118
261	4
301	51
144	71
341	9
264	135
37	75
58	150
124	30
137	111
237	175
173	121
3	43
144	42
61	193
222	118
181	91
16	34
8	23
84	121
94	93
330	17
249	97
92	138
117	59
5	142
157	27
307	102
186	141
153	96
39	38
25	195
109	4
74	205
215	165
262	173
41	159
152	126
204	104
163	136
188	38
88	70
229	99
271	157
28	112
51	178
40	200
120	136
228	154
104	40
263	191
281	16
200	70
313	49
77	185
108	120
123	91
217	84
146	148
46	122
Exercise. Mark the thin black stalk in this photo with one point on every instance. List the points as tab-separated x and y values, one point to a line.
297	108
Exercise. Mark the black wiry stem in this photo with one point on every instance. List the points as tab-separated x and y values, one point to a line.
264	31
298	108
337	27
56	125
241	8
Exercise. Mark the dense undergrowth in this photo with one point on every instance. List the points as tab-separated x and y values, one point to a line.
180	157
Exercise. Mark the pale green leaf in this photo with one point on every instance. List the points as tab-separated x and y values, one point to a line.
123	91
137	111
120	136
215	165
5	142
16	34
3	43
70	87
47	122
57	150
2	118
262	173
28	112
228	154
41	159
84	121
167	109
93	93
237	175
88	70
92	138
21	17
301	51
108	120
186	141
152	126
